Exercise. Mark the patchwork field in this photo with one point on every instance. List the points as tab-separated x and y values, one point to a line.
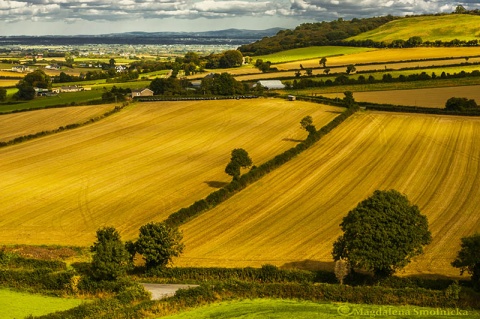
137	166
291	217
310	53
8	83
429	28
25	123
388	55
434	97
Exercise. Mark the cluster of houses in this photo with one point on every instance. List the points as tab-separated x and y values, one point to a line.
62	89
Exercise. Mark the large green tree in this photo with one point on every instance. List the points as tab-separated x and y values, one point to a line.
3	94
460	104
110	260
468	258
382	234
158	243
231	59
239	159
26	86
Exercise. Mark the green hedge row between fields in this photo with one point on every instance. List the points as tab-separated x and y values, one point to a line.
29	137
185	214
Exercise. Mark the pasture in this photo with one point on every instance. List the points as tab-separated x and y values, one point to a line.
429	28
433	97
286	309
25	123
20	305
310	53
291	217
137	166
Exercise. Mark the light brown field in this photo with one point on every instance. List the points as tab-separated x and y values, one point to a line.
25	123
12	74
292	216
387	55
433	97
7	83
137	166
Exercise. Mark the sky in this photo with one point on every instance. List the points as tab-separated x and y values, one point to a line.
73	17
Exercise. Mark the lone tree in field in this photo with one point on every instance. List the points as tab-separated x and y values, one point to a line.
158	244
460	104
341	270
239	159
468	258
307	124
351	69
382	234
348	100
323	61
111	260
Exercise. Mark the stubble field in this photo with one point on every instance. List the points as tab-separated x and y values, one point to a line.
291	217
137	166
25	123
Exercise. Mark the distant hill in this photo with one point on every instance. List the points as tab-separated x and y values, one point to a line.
314	34
229	36
430	28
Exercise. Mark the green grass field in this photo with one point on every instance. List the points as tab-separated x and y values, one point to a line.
429	28
287	309
15	305
310	53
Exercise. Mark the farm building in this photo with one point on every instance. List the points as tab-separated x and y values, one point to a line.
71	88
271	84
142	92
20	68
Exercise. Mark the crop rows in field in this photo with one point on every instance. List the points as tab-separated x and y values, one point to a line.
433	97
26	123
137	166
292	216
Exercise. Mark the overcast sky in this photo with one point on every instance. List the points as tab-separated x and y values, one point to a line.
46	17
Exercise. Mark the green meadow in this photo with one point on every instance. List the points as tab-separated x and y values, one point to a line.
287	309
19	305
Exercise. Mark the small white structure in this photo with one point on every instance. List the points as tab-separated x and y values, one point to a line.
72	88
292	98
142	92
20	68
271	84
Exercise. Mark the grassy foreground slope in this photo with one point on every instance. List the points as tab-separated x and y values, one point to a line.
286	309
19	305
429	28
293	214
137	166
25	123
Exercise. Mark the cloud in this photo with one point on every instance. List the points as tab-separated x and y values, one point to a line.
108	10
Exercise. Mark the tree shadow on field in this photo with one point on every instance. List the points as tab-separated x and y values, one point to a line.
292	140
308	264
216	184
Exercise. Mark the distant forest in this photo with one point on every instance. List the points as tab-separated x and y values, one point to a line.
314	34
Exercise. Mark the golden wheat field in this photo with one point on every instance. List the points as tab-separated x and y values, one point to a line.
432	97
25	123
388	55
137	166
292	216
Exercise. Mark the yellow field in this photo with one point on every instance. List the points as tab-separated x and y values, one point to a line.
25	123
137	166
386	55
7	83
433	97
292	216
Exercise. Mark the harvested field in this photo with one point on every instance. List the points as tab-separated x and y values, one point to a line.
25	123
434	97
389	55
137	166
8	83
291	217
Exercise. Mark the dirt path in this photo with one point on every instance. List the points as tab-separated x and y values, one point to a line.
160	291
